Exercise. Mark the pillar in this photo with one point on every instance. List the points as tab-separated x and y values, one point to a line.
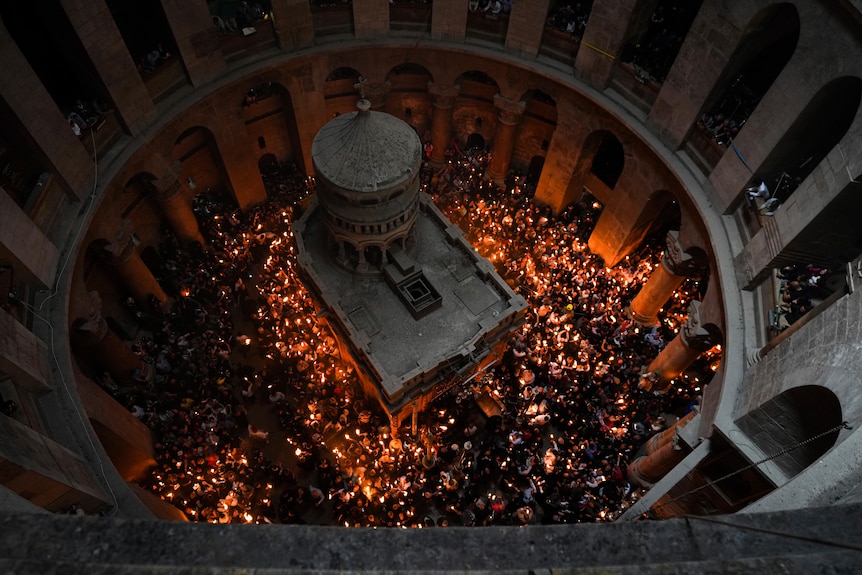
662	438
294	27
177	208
443	104
117	71
23	246
94	337
22	355
28	100
197	40
526	26
647	470
692	340
603	42
449	20
654	293
239	161
131	269
509	114
370	18
666	278
128	442
44	472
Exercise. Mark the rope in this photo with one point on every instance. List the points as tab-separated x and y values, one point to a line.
739	155
599	50
842	425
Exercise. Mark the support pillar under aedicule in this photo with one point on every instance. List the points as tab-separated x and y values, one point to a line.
692	340
509	114
441	120
675	266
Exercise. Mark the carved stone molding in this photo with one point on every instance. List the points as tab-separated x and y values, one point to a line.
444	94
693	332
509	111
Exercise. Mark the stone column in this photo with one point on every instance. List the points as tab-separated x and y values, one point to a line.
675	266
662	438
370	18
294	28
24	246
128	442
603	42
131	269
647	470
441	119
176	207
93	337
44	472
449	20
31	103
196	38
22	355
117	71
692	340
509	114
526	26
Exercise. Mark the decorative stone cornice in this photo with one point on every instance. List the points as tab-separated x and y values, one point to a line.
124	244
94	326
444	94
509	111
693	332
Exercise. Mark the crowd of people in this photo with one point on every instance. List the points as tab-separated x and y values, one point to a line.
233	16
152	59
570	17
83	116
653	51
258	419
801	285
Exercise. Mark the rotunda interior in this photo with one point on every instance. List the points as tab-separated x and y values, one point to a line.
672	188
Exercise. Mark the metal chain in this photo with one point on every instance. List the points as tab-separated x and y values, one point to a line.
843	425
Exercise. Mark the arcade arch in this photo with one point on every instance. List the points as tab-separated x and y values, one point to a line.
408	97
766	46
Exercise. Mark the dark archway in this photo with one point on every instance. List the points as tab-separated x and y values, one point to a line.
609	159
534	170
144	29
655	35
408	96
48	40
267	111
340	92
535	130
202	166
565	24
790	418
813	134
766	45
266	163
475	142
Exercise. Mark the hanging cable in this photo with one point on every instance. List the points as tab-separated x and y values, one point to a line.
89	203
842	425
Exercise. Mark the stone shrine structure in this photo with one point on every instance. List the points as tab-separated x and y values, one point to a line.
415	308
